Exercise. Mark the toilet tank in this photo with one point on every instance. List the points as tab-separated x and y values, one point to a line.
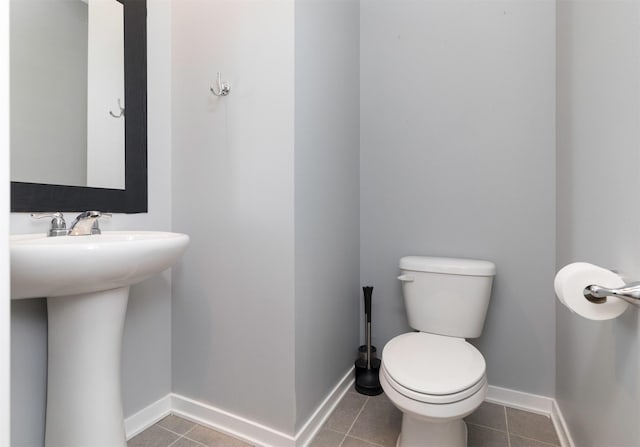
446	296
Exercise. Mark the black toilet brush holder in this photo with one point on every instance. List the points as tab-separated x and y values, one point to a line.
368	368
361	363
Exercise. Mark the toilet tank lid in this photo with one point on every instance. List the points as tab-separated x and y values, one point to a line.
453	266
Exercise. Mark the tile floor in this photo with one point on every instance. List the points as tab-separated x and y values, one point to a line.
177	432
362	421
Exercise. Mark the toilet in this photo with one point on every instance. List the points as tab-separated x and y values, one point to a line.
434	376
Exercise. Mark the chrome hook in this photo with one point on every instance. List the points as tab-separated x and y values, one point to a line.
223	87
121	111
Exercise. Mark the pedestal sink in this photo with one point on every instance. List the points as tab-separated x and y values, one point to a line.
86	281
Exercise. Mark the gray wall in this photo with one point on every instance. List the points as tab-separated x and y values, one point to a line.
48	68
146	366
233	163
265	315
326	197
598	365
457	159
28	371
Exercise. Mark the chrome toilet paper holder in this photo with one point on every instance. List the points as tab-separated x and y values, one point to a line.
598	294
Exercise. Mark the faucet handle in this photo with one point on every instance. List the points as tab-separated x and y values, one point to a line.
92	214
58	224
57	214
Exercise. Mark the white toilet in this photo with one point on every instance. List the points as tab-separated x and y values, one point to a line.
434	376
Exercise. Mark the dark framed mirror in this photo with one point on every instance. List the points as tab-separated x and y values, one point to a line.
30	197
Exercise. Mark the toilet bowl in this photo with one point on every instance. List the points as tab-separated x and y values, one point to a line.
434	376
435	381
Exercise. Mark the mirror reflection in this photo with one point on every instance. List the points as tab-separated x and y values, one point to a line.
67	92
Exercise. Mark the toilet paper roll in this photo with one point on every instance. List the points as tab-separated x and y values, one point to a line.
569	285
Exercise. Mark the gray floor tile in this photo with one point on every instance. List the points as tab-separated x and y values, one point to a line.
327	438
532	426
379	422
381	396
176	424
489	415
517	441
353	442
184	442
153	436
345	413
212	438
478	436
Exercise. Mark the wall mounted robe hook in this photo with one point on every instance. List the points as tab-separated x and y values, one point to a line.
121	114
223	87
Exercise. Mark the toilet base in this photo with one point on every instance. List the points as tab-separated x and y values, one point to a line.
420	433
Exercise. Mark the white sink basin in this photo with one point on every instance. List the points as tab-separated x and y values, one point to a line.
68	265
86	281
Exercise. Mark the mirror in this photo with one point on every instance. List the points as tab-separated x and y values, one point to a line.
72	147
65	115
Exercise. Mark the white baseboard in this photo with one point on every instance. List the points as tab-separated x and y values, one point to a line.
561	426
255	433
306	434
535	404
229	423
522	401
148	416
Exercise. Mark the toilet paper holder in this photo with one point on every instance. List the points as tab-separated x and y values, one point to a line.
598	294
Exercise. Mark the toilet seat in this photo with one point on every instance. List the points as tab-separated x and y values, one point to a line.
433	368
434	398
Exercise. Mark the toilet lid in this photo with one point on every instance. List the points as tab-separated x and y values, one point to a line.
433	364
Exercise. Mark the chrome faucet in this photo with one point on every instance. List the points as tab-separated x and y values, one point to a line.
87	223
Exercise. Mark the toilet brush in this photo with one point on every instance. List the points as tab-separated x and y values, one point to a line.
368	381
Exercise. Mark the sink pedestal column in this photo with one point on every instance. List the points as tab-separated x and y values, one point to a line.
84	403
